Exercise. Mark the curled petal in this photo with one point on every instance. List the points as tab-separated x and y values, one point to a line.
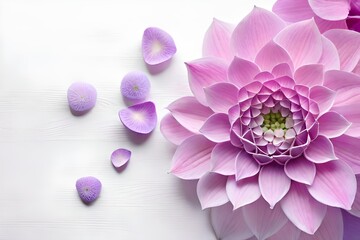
190	113
229	224
223	158
120	157
242	72
221	96
203	73
347	150
330	10
307	48
262	220
333	125
274	184
245	166
310	75
324	97
328	186
293	10
173	131
157	46
301	170
217	128
217	40
320	150
211	190
256	27
242	192
192	158
302	209
139	118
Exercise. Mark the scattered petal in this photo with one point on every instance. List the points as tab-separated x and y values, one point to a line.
120	157
88	189
135	86
81	97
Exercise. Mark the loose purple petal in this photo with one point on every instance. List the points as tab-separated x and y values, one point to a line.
139	118
88	189
157	46
120	157
81	97
135	86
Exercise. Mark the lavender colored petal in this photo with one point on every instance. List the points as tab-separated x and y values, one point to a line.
88	189
135	86
81	97
120	157
140	118
157	46
351	226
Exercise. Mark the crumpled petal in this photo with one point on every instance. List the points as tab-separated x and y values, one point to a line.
262	220
300	170
307	48
347	150
221	96
229	224
245	166
120	157
293	10
223	158
217	40
330	10
139	118
192	158
157	46
255	26
173	131
211	190
204	72
217	128
302	209
320	150
273	182
332	125
190	113
324	97
242	72
242	192
328	186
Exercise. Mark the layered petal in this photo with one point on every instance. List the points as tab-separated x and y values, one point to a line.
293	10
217	128
310	75
242	72
289	230
334	185
229	224
355	209
320	150
329	57
351	226
330	9
242	192
223	158
245	166
347	150
255	26
324	97
274	183
173	131
302	209
332	125
300	170
211	190
221	96
203	73
326	25
192	158
217	40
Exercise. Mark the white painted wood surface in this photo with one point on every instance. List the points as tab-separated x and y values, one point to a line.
45	45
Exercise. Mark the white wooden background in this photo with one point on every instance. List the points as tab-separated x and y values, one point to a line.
45	45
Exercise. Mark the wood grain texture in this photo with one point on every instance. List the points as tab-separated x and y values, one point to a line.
44	149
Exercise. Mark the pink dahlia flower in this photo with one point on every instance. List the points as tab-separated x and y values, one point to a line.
328	14
272	131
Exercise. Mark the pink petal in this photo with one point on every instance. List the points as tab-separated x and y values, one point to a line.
223	158
221	96
278	56
334	185
293	10
330	9
302	210
333	125
203	73
330	57
190	113
281	70
242	192
310	75
211	190
307	48
274	184
326	25
348	46
140	118
320	150
289	230
157	46
262	220
192	158
217	40
301	170
348	151
324	97
120	157
331	228
173	131
242	72
355	209
245	166
217	128
229	224
255	26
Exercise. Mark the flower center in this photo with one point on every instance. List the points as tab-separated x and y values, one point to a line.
273	121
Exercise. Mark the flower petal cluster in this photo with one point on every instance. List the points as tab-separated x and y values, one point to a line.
272	131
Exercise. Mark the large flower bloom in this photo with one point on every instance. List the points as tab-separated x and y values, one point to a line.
328	14
272	131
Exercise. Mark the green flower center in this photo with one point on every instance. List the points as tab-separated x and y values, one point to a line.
273	121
